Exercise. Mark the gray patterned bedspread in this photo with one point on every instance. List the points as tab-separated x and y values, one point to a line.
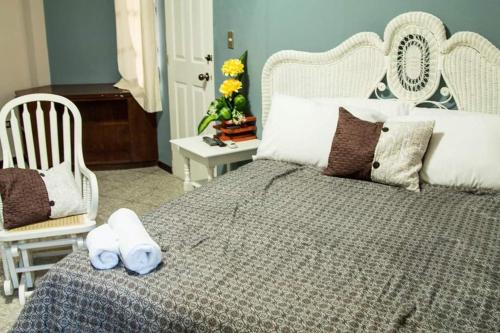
276	247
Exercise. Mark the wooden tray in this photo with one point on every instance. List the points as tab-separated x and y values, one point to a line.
237	138
248	119
243	129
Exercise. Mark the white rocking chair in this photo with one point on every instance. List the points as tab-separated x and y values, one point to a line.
16	244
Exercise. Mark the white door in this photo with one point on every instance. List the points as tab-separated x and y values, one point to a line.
189	34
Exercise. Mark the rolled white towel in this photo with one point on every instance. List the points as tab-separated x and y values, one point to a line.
138	251
103	247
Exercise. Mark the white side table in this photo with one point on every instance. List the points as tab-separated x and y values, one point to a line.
194	148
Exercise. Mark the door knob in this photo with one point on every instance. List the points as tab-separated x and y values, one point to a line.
204	77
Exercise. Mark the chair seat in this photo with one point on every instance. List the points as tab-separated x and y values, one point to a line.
55	227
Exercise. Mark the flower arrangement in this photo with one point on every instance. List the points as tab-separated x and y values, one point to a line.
232	104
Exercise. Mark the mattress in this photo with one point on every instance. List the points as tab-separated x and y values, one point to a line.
278	247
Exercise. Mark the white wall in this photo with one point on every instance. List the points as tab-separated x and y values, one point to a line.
24	61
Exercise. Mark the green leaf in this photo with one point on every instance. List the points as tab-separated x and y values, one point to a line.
206	121
243	58
221	102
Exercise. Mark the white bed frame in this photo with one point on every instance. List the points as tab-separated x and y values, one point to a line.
412	63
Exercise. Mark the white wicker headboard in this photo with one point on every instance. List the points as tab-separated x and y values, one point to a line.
412	59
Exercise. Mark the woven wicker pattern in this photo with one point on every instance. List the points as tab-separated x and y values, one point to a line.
471	68
414	45
413	42
62	222
351	70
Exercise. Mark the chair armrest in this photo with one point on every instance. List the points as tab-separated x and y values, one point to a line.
90	191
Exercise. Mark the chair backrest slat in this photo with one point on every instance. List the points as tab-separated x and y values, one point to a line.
28	135
5	139
42	145
67	136
16	137
54	138
78	176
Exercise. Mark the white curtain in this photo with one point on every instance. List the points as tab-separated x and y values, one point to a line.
136	43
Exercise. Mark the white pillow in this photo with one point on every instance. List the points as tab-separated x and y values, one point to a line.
65	198
388	107
464	150
301	130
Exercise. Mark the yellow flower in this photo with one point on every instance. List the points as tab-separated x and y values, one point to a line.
230	86
233	67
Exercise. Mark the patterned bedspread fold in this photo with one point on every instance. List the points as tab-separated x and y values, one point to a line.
277	247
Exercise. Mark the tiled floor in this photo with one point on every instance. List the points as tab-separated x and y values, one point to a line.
138	189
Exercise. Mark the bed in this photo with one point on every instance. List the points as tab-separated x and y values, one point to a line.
288	249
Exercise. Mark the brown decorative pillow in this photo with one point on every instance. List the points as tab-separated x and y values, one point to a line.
31	196
24	197
353	147
389	153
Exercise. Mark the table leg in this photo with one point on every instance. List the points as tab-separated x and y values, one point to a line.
210	172
188	186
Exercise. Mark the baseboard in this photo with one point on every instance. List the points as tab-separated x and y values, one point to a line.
119	166
165	167
160	164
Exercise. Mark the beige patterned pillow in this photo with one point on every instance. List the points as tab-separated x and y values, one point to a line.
389	153
399	153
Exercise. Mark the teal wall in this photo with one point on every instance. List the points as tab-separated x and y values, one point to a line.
81	38
267	26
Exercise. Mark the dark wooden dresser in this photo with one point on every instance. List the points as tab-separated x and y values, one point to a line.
117	132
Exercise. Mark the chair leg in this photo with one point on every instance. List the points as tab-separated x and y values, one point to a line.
10	253
11	266
80	242
8	288
22	291
74	246
27	262
4	262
